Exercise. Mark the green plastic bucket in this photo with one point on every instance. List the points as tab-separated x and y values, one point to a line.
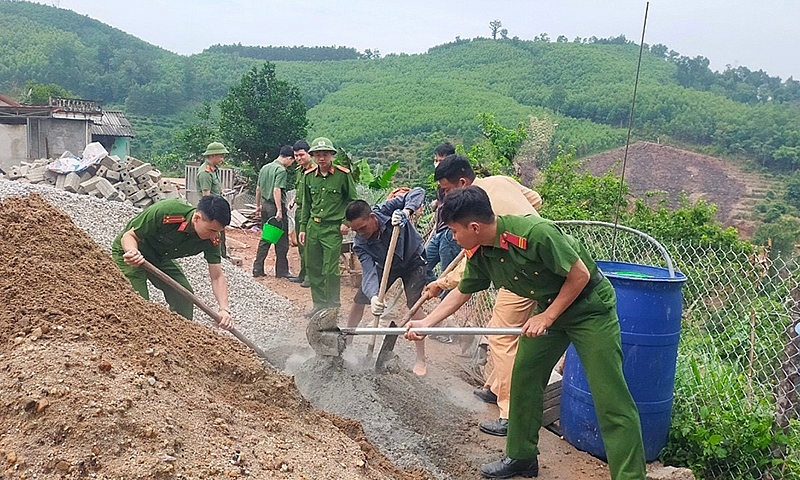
270	233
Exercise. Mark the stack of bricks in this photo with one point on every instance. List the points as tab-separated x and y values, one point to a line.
132	181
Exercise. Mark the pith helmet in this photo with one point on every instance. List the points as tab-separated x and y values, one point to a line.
215	148
321	144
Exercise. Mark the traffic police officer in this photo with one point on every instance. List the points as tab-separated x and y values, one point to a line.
208	179
327	189
531	257
172	229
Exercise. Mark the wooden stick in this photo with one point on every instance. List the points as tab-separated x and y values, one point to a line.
426	295
387	267
153	270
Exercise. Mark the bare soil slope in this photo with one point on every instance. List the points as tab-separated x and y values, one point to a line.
98	383
653	167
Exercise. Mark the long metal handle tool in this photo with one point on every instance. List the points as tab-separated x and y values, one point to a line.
429	331
153	270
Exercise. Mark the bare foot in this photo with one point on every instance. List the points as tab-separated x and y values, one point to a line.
420	369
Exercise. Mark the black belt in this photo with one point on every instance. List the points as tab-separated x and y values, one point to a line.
593	282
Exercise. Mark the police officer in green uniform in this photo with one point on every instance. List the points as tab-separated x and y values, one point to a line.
172	229
304	162
208	179
271	205
327	189
575	303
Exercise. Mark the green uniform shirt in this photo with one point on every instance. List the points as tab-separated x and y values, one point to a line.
325	198
208	179
537	271
271	176
163	235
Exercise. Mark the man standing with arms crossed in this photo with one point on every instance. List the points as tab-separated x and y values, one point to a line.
508	197
208	180
327	189
575	303
271	203
303	160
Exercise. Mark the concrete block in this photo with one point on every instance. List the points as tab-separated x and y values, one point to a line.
144	203
60	181
138	195
90	184
72	183
133	162
14	173
141	170
111	163
101	171
124	175
35	174
50	177
105	187
155	175
153	191
112	176
166	186
144	182
85	175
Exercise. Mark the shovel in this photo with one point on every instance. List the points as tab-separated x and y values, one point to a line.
154	271
390	340
387	267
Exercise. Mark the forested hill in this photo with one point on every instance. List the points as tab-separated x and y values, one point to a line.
398	106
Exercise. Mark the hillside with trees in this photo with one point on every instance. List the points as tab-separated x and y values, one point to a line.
396	107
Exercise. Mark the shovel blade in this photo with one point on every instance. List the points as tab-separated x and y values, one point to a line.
323	334
386	353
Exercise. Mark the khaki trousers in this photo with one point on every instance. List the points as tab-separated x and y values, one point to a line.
510	310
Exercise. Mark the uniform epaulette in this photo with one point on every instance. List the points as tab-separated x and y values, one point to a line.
310	169
344	169
469	252
215	240
507	239
209	168
170	219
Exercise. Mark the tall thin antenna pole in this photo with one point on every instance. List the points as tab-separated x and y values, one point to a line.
628	140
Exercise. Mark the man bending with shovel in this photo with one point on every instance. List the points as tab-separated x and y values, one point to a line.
575	303
172	229
374	228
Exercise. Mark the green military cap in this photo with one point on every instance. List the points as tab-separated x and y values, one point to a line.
321	144
215	148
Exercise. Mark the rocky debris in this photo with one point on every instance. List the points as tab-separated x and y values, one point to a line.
657	471
129	180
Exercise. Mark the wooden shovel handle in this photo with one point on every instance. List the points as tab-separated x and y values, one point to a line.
426	295
154	271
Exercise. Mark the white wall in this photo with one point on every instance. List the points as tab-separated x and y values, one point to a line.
13	145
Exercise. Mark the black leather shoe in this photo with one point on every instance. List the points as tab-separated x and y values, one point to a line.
295	279
498	428
508	467
305	283
486	395
259	274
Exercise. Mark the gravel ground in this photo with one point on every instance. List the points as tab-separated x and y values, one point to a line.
258	313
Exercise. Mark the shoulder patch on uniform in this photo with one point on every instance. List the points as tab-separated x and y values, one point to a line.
470	252
507	239
215	240
209	168
310	170
170	219
344	169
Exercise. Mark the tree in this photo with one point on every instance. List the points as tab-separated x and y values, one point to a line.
504	33
40	93
193	141
495	26
261	114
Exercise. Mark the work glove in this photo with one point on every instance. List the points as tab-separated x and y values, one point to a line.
399	218
376	306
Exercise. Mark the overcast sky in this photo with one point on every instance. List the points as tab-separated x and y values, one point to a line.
761	34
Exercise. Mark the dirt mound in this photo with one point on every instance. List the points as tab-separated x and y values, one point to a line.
654	167
99	383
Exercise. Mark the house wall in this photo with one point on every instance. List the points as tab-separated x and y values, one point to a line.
52	137
13	145
121	147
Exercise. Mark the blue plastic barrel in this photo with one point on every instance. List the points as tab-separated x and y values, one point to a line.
649	304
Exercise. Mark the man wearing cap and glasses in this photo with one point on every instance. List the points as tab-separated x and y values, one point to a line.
326	191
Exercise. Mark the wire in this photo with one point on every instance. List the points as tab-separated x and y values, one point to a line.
628	140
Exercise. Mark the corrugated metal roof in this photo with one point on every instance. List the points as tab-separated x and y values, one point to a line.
114	124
